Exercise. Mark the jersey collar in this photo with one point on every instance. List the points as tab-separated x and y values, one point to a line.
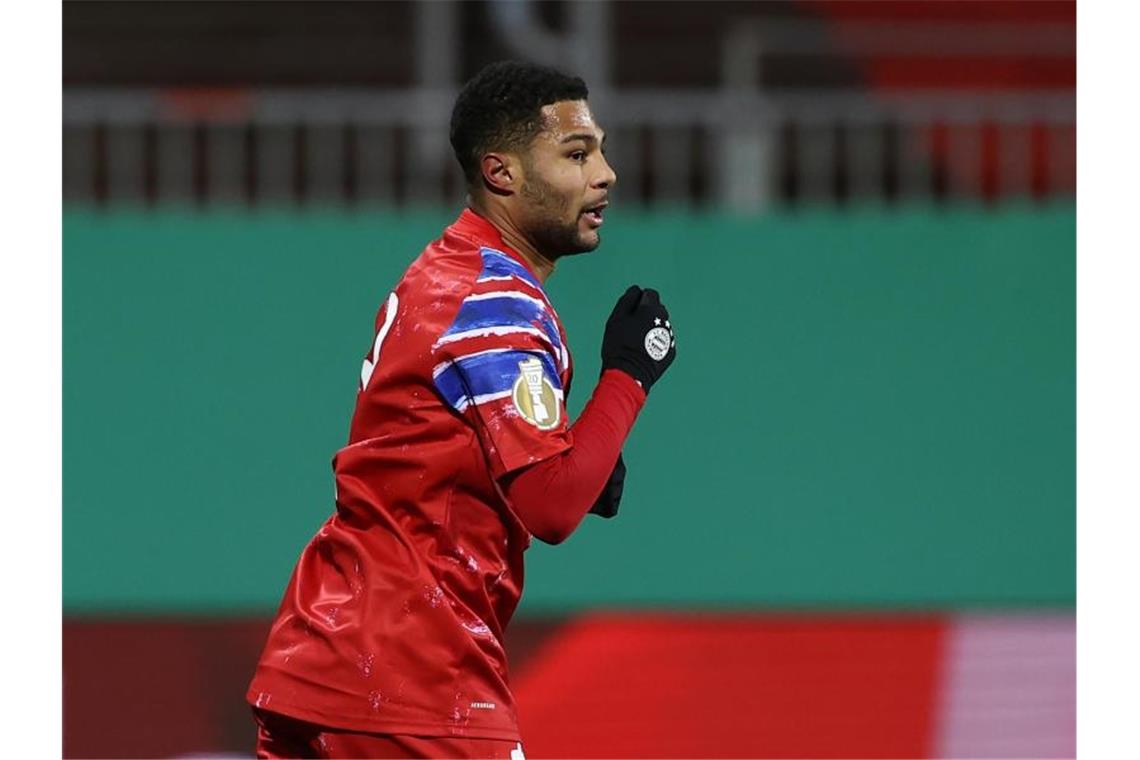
474	227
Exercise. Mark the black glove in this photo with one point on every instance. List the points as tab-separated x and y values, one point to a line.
610	498
639	339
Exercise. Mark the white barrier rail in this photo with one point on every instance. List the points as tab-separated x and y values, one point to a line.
732	147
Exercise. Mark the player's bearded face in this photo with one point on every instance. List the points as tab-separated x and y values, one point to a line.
553	222
566	181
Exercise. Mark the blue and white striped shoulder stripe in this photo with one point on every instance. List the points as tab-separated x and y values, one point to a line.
498	266
504	312
489	375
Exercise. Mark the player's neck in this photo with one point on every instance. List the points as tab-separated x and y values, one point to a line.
543	267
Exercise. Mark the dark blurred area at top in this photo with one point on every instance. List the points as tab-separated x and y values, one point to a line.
661	44
742	105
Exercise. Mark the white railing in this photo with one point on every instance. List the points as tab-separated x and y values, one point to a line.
739	145
731	147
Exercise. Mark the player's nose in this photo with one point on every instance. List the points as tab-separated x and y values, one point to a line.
608	177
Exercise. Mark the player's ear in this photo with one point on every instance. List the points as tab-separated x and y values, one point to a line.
500	173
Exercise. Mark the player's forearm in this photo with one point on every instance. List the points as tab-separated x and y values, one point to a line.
553	496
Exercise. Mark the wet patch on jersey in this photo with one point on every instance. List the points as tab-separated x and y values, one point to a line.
460	709
464	560
375	700
433	595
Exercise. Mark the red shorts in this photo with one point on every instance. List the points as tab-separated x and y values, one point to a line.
279	736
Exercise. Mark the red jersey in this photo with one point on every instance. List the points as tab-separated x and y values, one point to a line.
393	619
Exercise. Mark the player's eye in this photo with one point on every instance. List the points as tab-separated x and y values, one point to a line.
578	155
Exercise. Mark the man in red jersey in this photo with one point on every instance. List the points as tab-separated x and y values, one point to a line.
388	642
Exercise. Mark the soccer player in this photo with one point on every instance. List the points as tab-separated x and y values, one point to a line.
389	639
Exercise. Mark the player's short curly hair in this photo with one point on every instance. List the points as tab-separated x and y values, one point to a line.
499	109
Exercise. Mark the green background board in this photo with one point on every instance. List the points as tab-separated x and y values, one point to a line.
868	409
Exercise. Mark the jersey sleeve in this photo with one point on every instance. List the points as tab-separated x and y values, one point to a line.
501	365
